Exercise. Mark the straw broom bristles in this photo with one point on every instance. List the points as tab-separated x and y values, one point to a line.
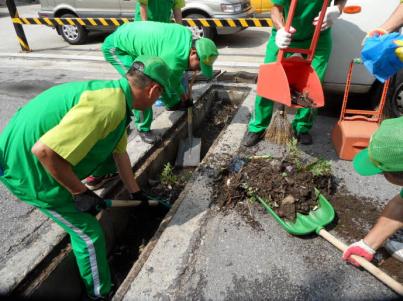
280	130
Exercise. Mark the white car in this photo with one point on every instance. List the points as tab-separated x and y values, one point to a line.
125	8
348	34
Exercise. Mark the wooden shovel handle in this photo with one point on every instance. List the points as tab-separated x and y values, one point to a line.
378	273
131	203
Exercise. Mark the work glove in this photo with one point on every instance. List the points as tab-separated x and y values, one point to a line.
89	202
376	32
332	13
359	248
399	49
283	37
188	103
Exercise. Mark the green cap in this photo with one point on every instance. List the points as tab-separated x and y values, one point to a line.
155	68
385	150
207	53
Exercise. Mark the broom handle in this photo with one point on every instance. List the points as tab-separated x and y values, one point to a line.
378	273
311	51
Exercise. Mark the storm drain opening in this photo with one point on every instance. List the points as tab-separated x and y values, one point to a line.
131	233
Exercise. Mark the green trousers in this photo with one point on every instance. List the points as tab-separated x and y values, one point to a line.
122	62
304	117
89	247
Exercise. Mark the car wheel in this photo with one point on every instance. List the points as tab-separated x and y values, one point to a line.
201	32
394	102
73	34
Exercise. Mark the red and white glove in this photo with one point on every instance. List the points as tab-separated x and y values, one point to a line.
376	32
332	13
359	248
283	37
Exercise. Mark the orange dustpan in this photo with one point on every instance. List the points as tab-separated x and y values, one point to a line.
281	80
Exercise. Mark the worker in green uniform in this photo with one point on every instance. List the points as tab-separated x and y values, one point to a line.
43	159
159	11
384	155
299	36
173	43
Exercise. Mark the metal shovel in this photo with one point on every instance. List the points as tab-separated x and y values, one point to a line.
189	148
315	221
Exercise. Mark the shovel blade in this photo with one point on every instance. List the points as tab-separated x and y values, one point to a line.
276	80
306	224
189	152
272	83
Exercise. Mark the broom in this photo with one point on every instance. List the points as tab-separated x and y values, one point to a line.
279	130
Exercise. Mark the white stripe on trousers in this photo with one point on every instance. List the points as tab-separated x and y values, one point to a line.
91	251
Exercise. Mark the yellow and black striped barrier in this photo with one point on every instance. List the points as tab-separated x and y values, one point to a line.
111	22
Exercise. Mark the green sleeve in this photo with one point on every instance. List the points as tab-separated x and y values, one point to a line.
279	2
401	191
181	4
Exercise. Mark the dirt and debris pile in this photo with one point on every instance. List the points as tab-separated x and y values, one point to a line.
287	184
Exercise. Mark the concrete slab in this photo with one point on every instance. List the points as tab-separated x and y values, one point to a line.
204	255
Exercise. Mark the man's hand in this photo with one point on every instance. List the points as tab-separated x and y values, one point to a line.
283	38
332	13
89	202
359	248
376	32
188	103
138	196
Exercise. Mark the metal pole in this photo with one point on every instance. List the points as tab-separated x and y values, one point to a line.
19	30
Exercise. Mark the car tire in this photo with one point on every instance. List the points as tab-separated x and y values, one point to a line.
202	32
394	101
73	34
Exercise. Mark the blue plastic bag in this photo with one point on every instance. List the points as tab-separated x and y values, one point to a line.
379	57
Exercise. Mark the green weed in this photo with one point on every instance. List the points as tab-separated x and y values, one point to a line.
167	176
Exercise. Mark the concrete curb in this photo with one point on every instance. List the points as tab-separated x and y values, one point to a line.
46	56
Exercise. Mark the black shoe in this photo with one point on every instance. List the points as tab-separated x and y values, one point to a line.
149	137
252	138
305	138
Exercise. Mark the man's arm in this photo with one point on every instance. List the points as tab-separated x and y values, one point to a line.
177	15
395	20
277	16
123	164
388	223
59	168
143	12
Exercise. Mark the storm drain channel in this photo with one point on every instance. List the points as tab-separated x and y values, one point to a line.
131	233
